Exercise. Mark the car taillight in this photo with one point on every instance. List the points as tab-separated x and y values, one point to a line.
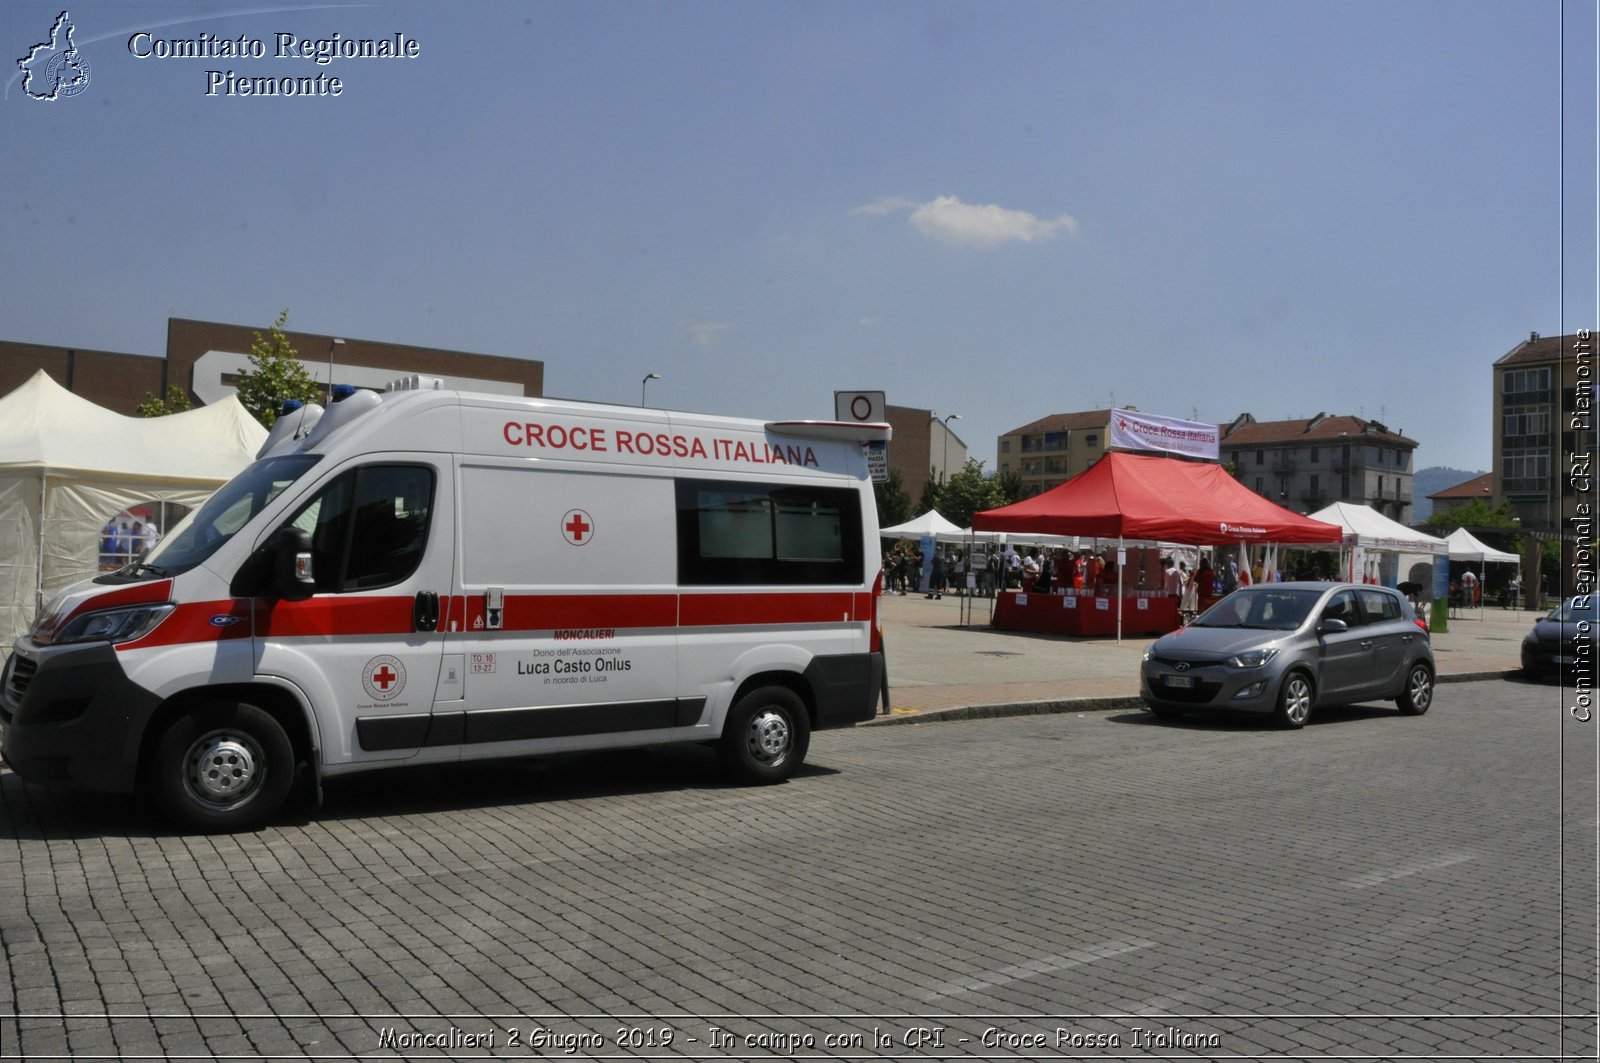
875	645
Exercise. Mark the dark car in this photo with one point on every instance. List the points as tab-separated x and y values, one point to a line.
1564	639
1283	648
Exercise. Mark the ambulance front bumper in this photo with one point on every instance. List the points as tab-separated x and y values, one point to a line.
69	714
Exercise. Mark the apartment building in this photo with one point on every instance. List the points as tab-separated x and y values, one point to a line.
1053	449
1305	465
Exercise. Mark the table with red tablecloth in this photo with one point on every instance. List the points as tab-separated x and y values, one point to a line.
1143	613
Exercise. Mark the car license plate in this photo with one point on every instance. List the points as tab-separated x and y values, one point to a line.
1179	681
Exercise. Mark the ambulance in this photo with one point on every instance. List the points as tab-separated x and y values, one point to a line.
418	576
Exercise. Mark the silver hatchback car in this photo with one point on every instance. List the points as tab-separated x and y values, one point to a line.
1284	648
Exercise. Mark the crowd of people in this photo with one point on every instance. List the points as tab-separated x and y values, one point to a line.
985	569
124	539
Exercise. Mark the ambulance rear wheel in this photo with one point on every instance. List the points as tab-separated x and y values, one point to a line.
223	767
766	735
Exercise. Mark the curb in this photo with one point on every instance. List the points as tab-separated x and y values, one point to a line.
1060	705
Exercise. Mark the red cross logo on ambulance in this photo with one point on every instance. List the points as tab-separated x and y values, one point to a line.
577	527
385	677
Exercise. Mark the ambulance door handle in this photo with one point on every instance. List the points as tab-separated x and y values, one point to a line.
425	611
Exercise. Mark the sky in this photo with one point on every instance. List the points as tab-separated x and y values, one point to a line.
1000	209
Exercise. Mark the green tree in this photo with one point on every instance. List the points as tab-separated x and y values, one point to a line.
275	376
177	401
894	505
968	491
932	492
1473	515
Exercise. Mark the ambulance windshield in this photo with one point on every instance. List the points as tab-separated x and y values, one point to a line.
223	514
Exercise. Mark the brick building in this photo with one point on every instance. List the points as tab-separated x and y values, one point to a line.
205	357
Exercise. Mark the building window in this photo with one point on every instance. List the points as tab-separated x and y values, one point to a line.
1526	470
1344	486
1261	457
1316	485
1525	381
1520	421
1092	438
1316	455
1005	446
1283	487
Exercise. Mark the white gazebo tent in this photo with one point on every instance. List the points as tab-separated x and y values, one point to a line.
1464	546
68	467
1368	535
930	523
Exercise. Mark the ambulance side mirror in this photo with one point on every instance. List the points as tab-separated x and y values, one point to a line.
293	577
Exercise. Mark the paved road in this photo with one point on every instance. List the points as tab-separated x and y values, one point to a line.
1077	885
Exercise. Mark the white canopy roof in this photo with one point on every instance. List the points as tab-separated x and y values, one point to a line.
1365	526
43	426
1464	546
930	523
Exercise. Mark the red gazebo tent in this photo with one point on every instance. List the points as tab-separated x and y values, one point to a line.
1135	496
1144	498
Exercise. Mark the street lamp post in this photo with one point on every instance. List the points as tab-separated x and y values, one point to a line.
643	384
944	463
333	345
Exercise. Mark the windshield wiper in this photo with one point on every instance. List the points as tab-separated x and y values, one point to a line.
154	570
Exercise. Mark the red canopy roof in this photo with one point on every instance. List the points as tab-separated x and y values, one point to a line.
1135	496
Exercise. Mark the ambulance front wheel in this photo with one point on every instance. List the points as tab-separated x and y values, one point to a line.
223	767
766	735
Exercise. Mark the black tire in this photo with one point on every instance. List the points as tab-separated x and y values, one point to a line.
1296	698
1416	697
222	767
766	735
1165	712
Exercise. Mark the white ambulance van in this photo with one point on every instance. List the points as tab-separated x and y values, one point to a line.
420	576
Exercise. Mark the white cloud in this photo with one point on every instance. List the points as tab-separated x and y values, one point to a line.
704	333
887	205
947	218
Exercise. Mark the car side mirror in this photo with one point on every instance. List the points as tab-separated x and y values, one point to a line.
294	579
1331	626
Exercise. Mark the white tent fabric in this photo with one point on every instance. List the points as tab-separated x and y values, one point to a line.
1464	546
68	467
930	523
1365	526
1373	544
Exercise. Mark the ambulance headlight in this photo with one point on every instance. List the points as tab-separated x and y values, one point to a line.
114	625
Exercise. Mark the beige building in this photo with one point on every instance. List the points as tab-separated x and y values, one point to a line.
1544	443
1053	449
1538	423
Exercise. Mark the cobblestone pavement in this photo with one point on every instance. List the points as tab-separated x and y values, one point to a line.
1074	885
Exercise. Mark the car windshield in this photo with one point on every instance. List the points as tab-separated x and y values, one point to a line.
1583	607
205	530
1261	607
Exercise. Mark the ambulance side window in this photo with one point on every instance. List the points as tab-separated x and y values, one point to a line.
369	527
730	532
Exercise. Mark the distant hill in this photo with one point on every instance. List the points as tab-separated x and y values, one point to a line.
1425	482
